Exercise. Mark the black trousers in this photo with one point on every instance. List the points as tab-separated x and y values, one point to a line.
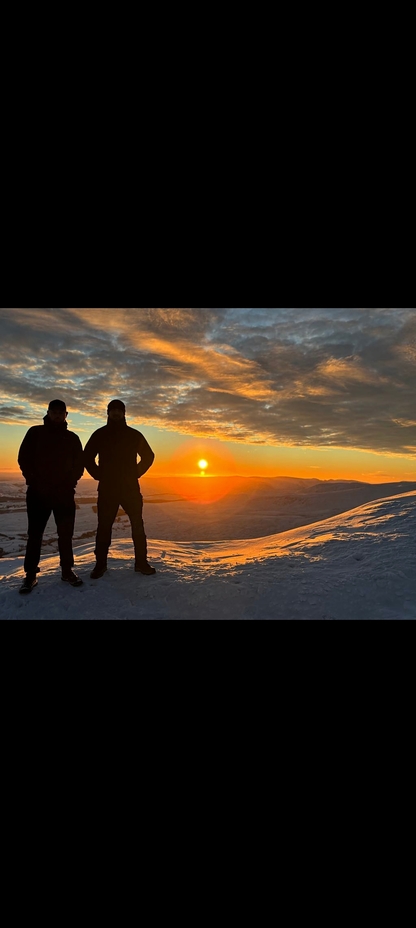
109	500
39	508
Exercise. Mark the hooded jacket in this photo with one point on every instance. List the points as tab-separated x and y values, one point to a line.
117	446
51	458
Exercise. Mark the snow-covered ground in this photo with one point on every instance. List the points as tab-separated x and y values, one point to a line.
357	565
217	509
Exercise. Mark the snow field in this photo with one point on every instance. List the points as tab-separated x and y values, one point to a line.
359	565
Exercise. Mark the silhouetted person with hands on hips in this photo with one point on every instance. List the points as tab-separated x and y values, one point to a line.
51	460
117	446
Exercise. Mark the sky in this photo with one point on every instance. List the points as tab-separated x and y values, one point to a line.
306	392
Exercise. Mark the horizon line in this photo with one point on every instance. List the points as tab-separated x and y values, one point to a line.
7	474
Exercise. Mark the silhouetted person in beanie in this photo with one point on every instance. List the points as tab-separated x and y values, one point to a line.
51	460
117	446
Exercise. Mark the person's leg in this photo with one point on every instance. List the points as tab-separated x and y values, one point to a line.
64	512
132	503
38	511
107	509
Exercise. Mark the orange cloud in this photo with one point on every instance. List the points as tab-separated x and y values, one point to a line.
349	369
223	366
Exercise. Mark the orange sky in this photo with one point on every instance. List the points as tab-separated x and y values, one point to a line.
227	459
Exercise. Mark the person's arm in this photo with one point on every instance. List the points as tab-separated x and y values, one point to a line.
78	461
146	455
26	457
90	454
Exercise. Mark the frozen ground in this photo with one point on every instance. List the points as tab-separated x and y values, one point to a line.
357	565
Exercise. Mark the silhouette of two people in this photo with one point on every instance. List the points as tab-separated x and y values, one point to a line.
52	461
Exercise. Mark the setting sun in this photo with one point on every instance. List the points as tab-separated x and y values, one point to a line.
203	464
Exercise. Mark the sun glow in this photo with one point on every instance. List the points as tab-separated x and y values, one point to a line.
202	464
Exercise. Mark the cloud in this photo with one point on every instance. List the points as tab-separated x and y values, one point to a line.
308	377
12	414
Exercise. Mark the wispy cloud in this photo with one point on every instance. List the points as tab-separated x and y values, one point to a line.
310	377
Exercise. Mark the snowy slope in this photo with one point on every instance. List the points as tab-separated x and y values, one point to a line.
358	565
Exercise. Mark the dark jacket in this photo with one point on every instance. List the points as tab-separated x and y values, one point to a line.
117	446
51	458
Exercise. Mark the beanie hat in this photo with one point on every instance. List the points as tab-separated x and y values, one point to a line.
116	404
57	404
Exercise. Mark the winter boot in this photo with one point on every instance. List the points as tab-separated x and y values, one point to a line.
28	583
143	567
99	571
68	576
